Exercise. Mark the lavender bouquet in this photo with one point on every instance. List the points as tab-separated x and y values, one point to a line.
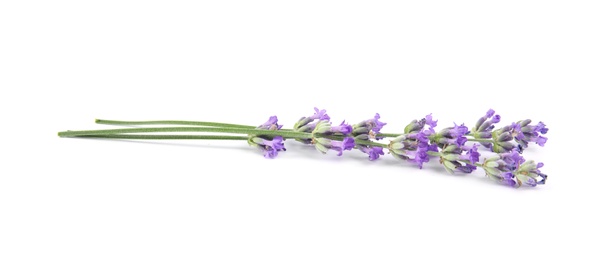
456	147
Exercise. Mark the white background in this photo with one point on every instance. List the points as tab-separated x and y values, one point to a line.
65	63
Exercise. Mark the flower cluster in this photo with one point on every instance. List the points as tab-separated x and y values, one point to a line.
414	145
270	146
420	141
525	133
367	130
325	136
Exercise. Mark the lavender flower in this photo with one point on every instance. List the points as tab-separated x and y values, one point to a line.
325	144
512	159
472	155
368	129
483	119
373	152
324	127
455	166
529	173
271	124
319	115
411	147
508	180
418	156
308	124
343	128
419	136
486	125
430	122
269	147
415	126
453	159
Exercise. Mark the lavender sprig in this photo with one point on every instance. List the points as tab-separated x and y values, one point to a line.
418	144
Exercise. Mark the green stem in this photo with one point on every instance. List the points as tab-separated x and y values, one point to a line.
167	137
171	122
479	140
388	135
371	143
289	134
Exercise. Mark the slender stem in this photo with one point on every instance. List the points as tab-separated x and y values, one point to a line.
479	140
371	143
362	142
171	122
176	122
388	135
290	134
167	137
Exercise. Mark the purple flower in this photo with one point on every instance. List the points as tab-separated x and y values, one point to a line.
540	127
458	141
531	182
507	175
429	121
271	124
419	136
415	126
342	128
270	154
472	155
458	130
373	152
531	133
433	148
269	147
419	156
510	182
540	140
490	113
347	144
512	159
528	172
480	124
516	131
495	119
375	124
467	168
368	128
320	115
412	151
486	126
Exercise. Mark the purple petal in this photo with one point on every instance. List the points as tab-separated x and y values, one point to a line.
540	127
510	182
347	144
271	124
429	120
541	140
377	124
342	128
496	119
320	114
373	152
472	155
490	113
507	175
270	154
